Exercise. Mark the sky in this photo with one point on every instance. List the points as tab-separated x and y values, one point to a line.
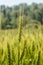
16	2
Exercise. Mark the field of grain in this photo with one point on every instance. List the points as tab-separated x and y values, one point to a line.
21	47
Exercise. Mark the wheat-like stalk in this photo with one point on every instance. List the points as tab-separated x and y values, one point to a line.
23	52
20	34
9	54
13	56
3	59
38	60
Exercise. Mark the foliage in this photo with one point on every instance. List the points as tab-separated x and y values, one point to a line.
10	15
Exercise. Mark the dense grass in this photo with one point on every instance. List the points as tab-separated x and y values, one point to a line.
28	44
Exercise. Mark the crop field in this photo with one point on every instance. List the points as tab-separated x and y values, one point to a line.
21	32
21	47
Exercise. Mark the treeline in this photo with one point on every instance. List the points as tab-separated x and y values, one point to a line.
9	16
